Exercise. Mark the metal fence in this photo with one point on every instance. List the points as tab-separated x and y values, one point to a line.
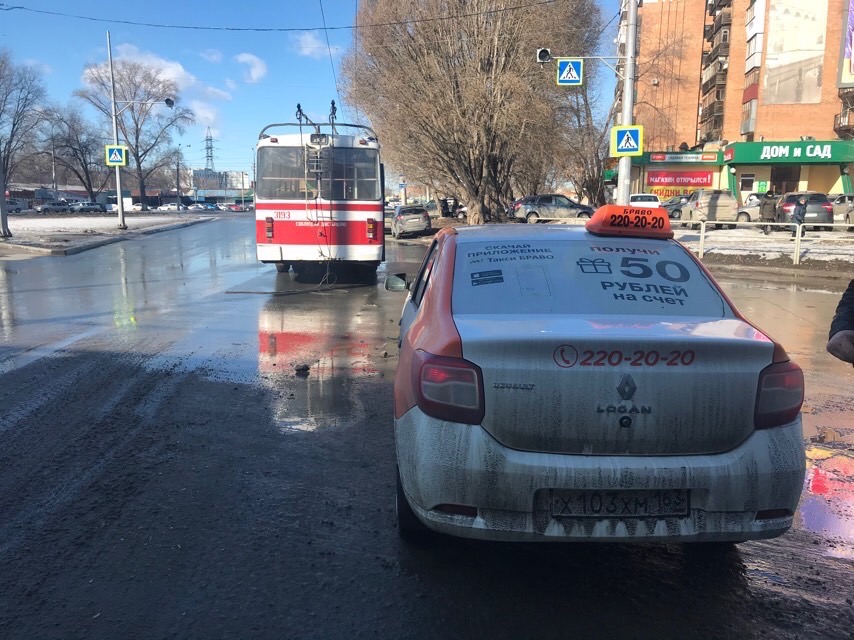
796	248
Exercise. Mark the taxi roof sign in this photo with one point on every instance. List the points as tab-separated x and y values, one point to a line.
631	222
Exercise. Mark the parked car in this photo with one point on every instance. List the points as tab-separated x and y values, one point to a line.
222	207
644	200
622	417
674	205
749	211
842	204
550	206
235	207
710	205
515	205
196	207
209	206
56	206
410	220
819	209
87	207
16	205
137	206
172	206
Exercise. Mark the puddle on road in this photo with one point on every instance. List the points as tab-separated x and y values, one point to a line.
317	351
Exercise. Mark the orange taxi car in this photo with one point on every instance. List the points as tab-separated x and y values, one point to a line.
566	383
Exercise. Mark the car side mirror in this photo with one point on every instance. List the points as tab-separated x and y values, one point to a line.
396	282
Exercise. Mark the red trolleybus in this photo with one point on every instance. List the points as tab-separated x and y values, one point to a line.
319	197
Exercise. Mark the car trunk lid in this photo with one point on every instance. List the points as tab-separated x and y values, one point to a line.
617	385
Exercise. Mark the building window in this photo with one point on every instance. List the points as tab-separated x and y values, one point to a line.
720	94
724	35
748	116
746	182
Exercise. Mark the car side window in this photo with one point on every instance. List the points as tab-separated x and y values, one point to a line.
561	201
424	274
544	200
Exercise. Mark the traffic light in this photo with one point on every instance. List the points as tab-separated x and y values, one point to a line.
544	55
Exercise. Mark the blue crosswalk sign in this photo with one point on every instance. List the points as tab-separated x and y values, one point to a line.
570	72
116	155
626	141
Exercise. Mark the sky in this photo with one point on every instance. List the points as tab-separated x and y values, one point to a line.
235	82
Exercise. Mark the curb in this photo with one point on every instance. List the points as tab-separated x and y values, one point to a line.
50	251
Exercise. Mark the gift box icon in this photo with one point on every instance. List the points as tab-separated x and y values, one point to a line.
594	265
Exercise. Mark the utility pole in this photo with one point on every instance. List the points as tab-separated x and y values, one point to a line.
624	171
53	165
119	200
4	218
178	177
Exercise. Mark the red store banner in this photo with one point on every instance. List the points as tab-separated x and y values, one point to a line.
680	179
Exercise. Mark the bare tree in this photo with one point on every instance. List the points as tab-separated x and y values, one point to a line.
145	124
78	147
453	89
21	92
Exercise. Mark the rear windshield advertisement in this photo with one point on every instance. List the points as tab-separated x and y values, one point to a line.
624	276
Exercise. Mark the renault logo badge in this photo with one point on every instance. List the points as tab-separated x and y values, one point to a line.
627	387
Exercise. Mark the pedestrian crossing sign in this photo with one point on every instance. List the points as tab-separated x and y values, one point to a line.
117	155
626	141
570	72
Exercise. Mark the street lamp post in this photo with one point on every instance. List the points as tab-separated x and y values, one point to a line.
178	176
115	117
119	200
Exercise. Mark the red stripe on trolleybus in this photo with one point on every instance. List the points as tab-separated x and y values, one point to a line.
343	207
325	232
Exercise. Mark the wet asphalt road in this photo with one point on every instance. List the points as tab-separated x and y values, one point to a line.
165	472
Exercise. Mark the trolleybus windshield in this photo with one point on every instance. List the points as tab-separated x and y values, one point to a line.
283	174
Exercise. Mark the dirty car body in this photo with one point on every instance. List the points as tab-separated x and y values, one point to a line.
556	385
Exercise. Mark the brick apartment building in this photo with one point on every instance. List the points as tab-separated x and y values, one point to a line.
767	83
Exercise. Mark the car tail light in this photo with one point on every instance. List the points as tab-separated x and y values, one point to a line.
372	229
779	396
827	206
269	224
448	388
516	205
788	207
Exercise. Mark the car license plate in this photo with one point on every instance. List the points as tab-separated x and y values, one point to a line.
812	215
619	504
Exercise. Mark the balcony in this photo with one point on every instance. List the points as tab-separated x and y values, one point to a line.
723	19
843	124
719	50
716	80
748	126
708	32
713	109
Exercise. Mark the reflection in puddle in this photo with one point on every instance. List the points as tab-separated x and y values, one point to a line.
316	351
827	504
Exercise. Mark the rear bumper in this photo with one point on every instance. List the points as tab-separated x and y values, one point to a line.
448	463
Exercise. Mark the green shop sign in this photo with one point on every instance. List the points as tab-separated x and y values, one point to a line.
800	152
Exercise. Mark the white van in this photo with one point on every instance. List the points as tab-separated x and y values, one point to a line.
710	205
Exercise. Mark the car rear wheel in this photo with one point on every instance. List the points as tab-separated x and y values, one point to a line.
282	267
532	218
409	527
743	217
677	215
584	215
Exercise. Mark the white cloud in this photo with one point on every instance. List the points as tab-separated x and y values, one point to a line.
309	45
257	67
207	115
212	55
231	84
216	94
169	68
39	65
